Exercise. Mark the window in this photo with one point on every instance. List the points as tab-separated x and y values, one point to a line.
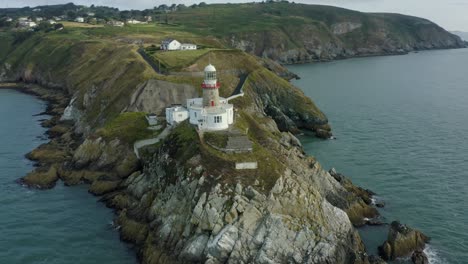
218	119
195	114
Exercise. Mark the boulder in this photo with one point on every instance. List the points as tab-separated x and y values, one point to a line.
80	176
402	241
131	230
41	178
101	187
376	260
58	130
47	153
193	250
419	257
322	133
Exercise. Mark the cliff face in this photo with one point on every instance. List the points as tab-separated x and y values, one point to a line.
188	213
352	36
298	33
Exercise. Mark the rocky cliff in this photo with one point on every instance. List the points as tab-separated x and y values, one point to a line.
299	33
188	213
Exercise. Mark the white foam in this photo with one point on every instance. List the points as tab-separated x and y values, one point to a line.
433	255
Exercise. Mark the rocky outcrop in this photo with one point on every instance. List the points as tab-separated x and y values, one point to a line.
285	104
345	27
154	96
329	33
41	178
419	257
402	241
358	204
194	217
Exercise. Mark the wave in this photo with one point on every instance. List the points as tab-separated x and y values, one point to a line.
433	255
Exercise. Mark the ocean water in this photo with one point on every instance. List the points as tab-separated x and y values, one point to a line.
64	225
401	124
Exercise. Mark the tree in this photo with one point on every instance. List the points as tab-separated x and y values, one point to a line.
71	14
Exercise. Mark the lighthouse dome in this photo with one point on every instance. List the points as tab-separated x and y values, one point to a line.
210	68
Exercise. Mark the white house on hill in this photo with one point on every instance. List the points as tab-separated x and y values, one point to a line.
172	44
188	46
79	19
135	22
27	24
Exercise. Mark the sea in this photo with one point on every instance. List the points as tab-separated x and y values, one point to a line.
64	225
401	128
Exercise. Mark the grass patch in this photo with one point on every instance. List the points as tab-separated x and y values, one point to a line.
217	139
128	127
178	59
79	25
184	142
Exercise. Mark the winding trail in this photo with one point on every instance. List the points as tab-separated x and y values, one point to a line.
151	141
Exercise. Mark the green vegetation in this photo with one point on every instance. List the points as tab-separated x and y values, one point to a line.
270	167
217	139
128	127
5	44
175	60
183	142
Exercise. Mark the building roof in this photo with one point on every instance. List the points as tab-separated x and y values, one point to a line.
210	68
168	40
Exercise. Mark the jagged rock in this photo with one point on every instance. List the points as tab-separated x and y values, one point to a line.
376	260
322	133
80	176
380	204
58	130
71	112
220	246
193	251
42	178
402	241
131	230
338	177
100	187
358	204
89	151
374	221
48	154
419	257
289	140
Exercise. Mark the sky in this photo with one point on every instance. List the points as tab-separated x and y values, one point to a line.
450	14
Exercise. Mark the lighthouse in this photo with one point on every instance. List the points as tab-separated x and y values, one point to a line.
209	112
210	87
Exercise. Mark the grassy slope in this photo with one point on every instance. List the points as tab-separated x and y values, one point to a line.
73	60
283	27
103	70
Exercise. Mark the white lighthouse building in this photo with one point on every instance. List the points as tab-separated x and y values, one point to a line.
210	112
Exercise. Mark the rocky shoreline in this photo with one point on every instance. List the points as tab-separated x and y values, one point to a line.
130	189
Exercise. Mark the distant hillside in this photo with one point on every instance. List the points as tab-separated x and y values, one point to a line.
463	35
285	32
293	33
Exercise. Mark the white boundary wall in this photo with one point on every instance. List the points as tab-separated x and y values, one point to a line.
246	165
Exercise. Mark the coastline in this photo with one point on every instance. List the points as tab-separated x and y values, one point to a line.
369	56
62	137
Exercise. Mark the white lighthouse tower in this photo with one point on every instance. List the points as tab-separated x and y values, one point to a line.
210	87
211	112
